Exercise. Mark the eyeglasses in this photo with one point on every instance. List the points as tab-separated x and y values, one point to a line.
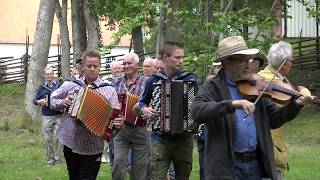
239	61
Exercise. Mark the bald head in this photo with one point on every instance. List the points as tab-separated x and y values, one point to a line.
149	67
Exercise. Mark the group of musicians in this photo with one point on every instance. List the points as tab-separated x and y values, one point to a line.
238	142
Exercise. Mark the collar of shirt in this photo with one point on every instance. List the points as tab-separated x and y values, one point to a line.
271	69
53	83
229	82
136	81
96	83
176	74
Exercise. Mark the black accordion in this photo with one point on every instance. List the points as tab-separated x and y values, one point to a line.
172	100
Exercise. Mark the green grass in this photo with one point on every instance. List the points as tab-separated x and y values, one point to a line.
22	154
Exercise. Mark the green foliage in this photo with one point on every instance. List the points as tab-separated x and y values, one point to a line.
199	34
126	15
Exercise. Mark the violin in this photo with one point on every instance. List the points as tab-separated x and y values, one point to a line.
255	86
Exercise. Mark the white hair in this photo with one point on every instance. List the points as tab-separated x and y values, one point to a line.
152	61
113	63
278	53
48	68
132	55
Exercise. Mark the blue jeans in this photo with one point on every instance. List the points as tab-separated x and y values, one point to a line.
171	172
111	154
247	170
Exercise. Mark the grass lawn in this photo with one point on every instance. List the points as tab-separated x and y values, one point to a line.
22	155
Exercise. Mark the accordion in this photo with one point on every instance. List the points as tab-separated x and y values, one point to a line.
94	111
128	101
172	100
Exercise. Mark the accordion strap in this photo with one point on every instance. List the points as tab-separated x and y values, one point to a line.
102	85
183	75
74	80
160	75
45	87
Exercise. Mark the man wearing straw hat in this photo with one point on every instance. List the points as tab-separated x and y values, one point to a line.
238	143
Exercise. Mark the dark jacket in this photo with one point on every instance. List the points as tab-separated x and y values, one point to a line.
45	91
212	106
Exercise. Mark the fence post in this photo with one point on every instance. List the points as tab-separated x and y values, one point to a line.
2	74
318	51
300	54
24	60
59	66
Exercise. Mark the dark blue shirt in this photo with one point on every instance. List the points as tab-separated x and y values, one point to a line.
147	96
44	91
246	137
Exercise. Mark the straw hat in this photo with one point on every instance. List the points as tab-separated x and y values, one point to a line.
232	46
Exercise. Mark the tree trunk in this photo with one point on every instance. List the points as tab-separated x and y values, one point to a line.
137	39
39	57
61	13
79	34
93	27
209	18
161	31
172	27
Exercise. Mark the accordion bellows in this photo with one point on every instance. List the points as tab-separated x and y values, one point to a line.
128	101
94	111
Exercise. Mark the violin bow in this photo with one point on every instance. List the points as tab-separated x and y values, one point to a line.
269	82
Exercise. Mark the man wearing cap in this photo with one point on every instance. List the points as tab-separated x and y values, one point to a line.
238	131
255	63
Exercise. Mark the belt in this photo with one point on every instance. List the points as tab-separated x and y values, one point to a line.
246	156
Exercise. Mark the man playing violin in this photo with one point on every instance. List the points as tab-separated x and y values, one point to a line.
278	53
238	131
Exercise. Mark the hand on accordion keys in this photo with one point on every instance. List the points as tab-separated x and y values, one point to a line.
118	122
68	100
149	112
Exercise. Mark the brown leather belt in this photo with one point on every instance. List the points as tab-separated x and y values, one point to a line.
245	156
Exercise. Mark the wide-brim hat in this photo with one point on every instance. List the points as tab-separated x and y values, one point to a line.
232	46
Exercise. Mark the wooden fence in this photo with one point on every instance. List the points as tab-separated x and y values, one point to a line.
16	70
306	53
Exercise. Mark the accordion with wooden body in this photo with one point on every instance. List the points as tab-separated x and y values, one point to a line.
94	111
172	100
128	101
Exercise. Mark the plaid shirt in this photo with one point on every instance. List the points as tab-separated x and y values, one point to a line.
136	88
72	134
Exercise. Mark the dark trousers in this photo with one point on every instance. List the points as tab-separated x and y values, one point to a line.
247	170
81	167
201	158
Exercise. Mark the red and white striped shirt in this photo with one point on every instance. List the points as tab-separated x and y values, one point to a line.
72	134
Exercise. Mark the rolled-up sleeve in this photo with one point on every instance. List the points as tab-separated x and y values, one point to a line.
59	95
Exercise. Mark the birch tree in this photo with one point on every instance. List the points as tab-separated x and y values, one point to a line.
39	56
61	13
79	34
92	24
